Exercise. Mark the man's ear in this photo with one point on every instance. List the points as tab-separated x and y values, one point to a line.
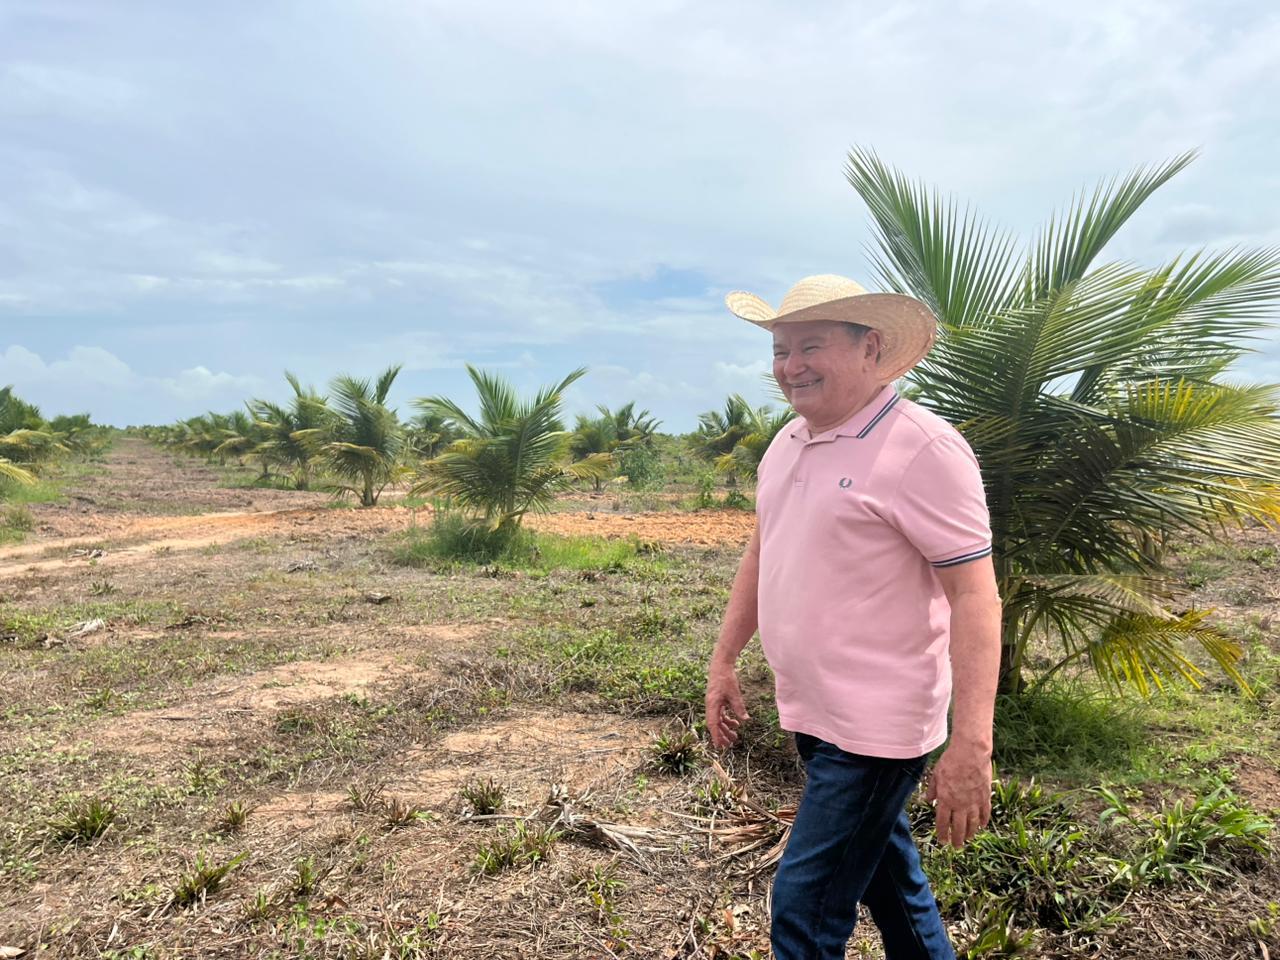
872	343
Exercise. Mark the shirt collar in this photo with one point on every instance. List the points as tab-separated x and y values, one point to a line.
859	425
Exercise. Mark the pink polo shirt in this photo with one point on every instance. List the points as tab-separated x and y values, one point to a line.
853	620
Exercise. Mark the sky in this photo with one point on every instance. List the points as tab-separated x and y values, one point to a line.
196	197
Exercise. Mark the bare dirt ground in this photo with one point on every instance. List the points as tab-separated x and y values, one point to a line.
254	647
179	650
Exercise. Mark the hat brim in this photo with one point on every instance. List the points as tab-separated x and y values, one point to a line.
907	327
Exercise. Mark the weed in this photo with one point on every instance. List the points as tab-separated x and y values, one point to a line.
398	813
525	844
203	879
484	797
101	588
82	822
996	935
713	798
676	753
1190	840
365	798
601	885
306	877
1267	924
100	699
202	777
233	818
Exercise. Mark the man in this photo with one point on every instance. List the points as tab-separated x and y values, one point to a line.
871	583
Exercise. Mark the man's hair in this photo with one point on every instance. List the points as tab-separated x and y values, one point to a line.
856	331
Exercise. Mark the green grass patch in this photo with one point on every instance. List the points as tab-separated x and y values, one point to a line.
1070	731
452	540
642	667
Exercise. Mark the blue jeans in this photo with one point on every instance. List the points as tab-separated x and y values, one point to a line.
851	842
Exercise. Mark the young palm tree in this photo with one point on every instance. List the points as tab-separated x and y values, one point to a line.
361	443
243	437
284	430
719	432
762	425
1094	399
595	437
511	459
25	441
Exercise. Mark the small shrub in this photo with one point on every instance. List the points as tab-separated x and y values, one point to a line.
18	518
84	821
706	498
101	588
525	844
203	879
642	467
484	797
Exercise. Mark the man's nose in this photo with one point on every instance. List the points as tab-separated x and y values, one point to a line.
794	364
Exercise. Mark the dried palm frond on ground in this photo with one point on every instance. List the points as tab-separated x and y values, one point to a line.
751	827
558	814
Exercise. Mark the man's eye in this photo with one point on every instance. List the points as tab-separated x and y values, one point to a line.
810	349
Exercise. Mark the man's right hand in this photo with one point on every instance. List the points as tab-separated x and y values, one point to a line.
726	710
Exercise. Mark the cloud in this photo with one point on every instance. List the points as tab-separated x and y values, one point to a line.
89	375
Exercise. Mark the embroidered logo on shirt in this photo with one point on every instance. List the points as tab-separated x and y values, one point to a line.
845	483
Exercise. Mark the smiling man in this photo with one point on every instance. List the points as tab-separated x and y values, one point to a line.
871	583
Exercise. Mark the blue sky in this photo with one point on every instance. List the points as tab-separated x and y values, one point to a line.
196	197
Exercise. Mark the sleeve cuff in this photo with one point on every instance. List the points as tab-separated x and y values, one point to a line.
960	558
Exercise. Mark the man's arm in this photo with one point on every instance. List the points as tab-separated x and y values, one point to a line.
726	709
961	782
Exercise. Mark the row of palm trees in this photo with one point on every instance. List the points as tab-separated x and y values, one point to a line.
512	456
29	442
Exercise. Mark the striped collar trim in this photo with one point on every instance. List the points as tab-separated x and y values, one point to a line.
858	426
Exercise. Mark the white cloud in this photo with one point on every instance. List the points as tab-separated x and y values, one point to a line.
89	377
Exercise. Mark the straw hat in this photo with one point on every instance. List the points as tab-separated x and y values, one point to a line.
907	328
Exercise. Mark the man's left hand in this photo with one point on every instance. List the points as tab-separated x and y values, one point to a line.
960	788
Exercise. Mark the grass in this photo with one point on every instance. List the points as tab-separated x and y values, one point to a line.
484	797
450	542
593	629
525	844
83	821
202	879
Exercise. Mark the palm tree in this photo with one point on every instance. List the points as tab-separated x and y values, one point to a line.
428	433
361	443
719	432
511	459
631	425
25	443
762	425
1094	399
243	437
610	432
284	430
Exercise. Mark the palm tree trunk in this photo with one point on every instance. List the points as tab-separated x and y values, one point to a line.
1010	658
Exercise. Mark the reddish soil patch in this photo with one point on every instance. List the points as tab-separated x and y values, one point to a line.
705	528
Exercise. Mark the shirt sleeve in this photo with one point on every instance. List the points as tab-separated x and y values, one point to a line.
941	506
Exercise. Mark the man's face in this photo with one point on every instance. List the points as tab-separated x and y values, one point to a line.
823	372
